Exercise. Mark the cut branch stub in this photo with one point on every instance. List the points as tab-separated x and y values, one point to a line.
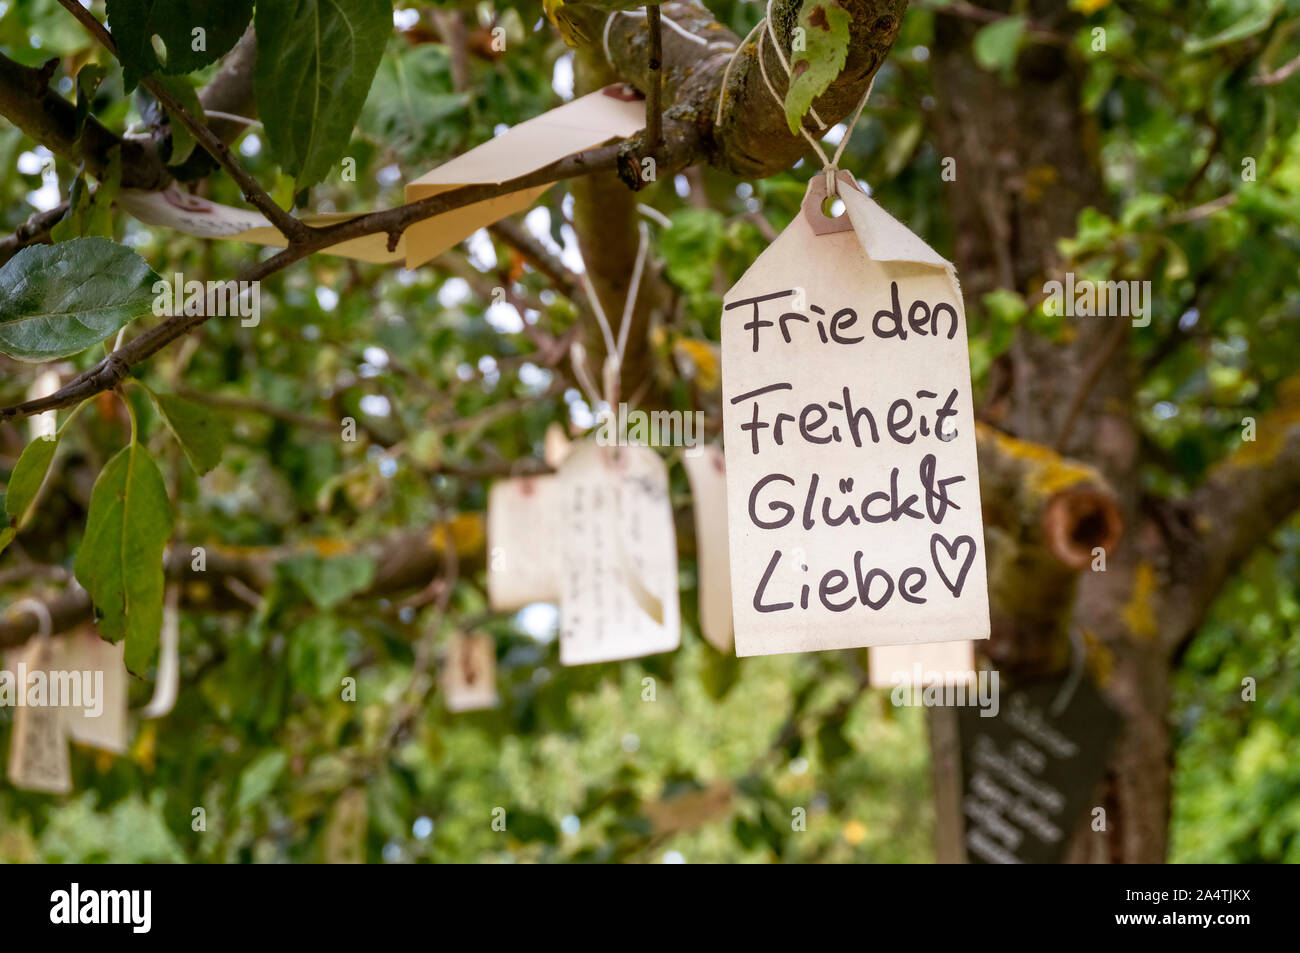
1079	521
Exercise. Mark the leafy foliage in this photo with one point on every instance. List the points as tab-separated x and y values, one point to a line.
315	62
194	33
61	299
823	27
201	433
444	382
120	559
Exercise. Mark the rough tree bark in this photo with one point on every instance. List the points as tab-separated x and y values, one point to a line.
1028	163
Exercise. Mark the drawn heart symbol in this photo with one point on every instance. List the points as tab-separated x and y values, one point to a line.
952	548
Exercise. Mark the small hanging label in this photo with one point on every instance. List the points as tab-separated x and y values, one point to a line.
852	485
522	532
618	591
38	745
469	673
100	719
915	666
707	473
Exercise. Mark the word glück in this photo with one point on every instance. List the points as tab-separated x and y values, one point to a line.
1102	299
215	299
40	688
132	907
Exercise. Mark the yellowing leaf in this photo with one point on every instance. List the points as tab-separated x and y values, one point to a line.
819	48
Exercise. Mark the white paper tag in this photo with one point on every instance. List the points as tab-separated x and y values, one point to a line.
707	473
941	663
852	483
469	673
618	591
523	526
38	744
100	719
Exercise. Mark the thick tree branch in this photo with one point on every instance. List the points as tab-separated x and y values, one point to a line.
1235	509
752	138
405	560
42	114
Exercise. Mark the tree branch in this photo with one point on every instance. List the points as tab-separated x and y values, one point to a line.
1242	500
27	101
406	559
293	230
114	368
752	139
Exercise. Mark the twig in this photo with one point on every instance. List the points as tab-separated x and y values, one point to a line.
36	229
654	95
261	408
968	11
1204	210
293	230
1090	377
114	368
1279	75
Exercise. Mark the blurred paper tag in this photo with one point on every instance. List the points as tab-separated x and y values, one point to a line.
523	526
469	673
618	589
179	210
38	744
555	446
612	112
707	473
100	720
943	663
852	487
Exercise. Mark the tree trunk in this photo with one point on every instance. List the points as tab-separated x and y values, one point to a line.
1027	164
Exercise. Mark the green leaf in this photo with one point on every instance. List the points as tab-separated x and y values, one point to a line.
259	778
201	433
56	300
28	475
91	212
820	46
88	79
120	562
996	45
183	141
691	247
73	223
315	63
413	108
194	33
327	582
318	657
832	743
1255	21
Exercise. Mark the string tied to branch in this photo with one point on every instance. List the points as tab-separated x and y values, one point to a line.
830	164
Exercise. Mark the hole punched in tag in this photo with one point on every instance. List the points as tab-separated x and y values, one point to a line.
816	202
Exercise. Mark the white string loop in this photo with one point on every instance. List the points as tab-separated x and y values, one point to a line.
830	164
612	370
